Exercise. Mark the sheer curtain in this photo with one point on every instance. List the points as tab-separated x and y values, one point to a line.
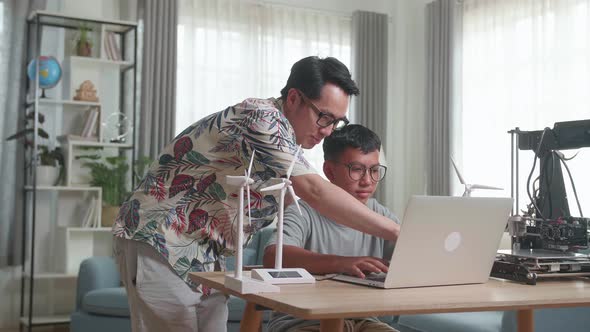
13	37
158	68
526	63
443	56
370	44
232	50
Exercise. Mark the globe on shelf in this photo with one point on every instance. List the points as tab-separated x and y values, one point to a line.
49	72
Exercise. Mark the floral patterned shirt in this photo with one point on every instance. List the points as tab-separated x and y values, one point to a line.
183	206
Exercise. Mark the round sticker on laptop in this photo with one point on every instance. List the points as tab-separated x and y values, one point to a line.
452	241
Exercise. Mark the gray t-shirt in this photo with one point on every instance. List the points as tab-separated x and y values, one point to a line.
317	233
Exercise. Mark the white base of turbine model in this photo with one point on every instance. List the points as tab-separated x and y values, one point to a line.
470	187
280	275
248	285
294	275
238	282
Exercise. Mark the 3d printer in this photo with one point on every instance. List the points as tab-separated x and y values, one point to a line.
546	238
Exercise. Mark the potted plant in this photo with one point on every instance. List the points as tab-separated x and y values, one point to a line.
110	173
49	171
83	44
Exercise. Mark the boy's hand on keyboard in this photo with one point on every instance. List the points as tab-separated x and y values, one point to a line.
359	266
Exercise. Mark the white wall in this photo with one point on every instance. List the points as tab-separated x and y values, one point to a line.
405	142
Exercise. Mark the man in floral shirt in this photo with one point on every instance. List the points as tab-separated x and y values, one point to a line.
181	218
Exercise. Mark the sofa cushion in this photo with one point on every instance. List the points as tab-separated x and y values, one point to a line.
254	251
236	308
489	321
106	301
81	321
555	319
265	235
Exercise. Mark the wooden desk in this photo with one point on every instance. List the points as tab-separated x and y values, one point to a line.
332	301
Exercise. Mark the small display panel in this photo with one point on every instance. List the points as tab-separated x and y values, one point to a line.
285	274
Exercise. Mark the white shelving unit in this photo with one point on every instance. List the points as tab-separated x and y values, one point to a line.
99	144
47	101
45	320
81	243
123	65
63	188
62	223
75	173
53	275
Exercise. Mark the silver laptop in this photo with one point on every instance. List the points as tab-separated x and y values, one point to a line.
444	241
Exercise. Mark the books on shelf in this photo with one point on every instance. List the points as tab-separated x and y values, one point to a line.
77	138
111	46
91	218
90	124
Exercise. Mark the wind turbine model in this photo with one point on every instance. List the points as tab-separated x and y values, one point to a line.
280	275
470	187
239	282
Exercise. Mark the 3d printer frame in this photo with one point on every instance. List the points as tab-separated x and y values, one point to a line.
545	237
548	223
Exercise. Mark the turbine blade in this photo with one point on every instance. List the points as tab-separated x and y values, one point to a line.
457	171
234	180
274	187
293	162
248	191
483	186
251	161
292	192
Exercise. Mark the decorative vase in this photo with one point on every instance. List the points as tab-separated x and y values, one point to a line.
109	213
83	49
47	175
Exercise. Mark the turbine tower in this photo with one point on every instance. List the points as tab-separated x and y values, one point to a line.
238	282
280	275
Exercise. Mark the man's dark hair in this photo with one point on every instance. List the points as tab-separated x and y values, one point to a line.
309	75
351	136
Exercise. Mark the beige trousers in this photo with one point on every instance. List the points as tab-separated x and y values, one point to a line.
159	300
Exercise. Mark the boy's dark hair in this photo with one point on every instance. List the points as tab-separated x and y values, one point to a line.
351	136
309	75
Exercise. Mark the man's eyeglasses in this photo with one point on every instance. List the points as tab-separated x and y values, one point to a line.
358	171
324	119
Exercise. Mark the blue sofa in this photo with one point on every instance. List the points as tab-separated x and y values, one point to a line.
101	301
560	319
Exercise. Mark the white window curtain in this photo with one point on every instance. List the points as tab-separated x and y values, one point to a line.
232	50
526	63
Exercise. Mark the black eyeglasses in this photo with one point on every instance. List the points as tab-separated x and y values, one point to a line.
357	171
324	119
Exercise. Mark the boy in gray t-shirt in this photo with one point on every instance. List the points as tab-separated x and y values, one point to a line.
321	246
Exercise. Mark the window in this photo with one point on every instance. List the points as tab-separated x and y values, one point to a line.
2	17
232	50
526	64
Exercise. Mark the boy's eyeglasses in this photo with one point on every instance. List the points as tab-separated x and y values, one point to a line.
358	171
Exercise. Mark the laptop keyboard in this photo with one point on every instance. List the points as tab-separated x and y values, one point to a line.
376	277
